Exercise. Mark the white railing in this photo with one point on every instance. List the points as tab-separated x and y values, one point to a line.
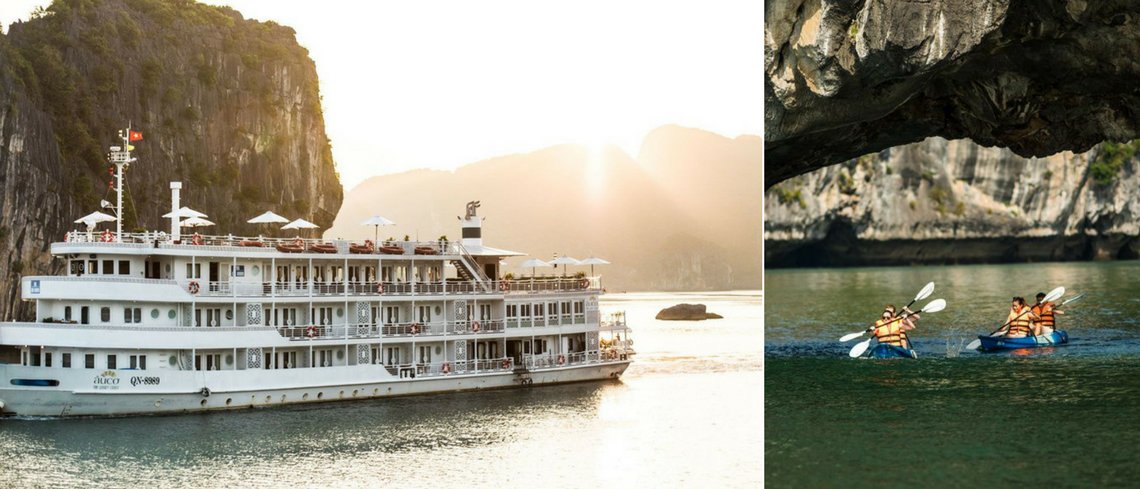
558	360
388	330
558	320
323	289
440	369
544	285
262	243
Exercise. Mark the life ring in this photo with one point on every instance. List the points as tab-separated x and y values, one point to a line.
503	286
311	331
506	363
475	327
379	288
584	283
107	236
446	368
414	328
205	392
561	359
196	239
299	242
193	287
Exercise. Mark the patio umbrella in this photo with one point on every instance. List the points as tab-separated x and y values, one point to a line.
184	212
195	222
377	221
565	261
534	263
95	218
268	218
300	224
591	261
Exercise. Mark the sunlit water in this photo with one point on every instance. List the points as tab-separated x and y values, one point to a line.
685	414
1056	417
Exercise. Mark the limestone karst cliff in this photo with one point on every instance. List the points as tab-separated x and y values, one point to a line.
942	201
227	105
848	78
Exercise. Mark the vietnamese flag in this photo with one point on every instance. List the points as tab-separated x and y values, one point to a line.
135	136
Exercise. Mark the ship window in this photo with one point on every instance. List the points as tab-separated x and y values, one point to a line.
124	267
47	359
66	360
193	270
77	267
93	266
108	267
138	362
138	314
512	311
484	312
105	314
112	362
67	313
89	360
579	307
35	357
127	317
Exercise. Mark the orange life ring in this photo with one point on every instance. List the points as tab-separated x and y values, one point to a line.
196	239
414	328
193	287
311	331
585	283
379	288
446	368
475	327
503	286
506	363
107	236
561	359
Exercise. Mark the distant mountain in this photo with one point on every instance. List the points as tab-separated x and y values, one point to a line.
683	215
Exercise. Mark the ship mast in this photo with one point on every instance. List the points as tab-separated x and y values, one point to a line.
121	157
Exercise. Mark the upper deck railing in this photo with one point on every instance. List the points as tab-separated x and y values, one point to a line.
285	246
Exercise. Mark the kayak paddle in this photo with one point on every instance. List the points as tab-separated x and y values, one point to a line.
922	294
861	347
1051	296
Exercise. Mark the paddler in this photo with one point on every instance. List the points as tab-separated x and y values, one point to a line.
891	330
1019	323
1045	311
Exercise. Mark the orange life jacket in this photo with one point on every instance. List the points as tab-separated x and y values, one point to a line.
1020	325
891	334
1045	311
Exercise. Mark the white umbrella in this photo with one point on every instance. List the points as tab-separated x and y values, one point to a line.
591	261
300	224
195	222
534	263
184	212
268	218
377	221
95	218
565	261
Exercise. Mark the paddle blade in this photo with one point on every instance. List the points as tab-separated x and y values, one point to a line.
859	348
925	292
1073	299
935	305
1055	294
973	345
849	337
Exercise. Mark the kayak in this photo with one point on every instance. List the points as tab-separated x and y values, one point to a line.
891	351
995	343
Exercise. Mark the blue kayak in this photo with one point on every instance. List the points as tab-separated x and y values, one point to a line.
996	343
891	351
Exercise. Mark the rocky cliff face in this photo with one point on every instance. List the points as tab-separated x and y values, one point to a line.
228	106
942	201
847	78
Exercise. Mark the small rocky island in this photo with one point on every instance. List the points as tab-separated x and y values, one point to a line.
687	312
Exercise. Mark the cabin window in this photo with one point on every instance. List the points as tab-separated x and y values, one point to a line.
77	267
47	359
484	312
65	362
35	358
93	266
138	362
392	314
138	314
83	316
127	316
108	267
193	270
124	267
579	307
425	354
512	311
524	310
105	314
67	313
393	356
112	362
89	360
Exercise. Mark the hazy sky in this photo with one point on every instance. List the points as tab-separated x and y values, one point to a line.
439	84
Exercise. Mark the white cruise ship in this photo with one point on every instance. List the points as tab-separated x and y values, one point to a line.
172	322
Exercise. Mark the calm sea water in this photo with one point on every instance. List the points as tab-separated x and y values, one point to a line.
1057	417
685	414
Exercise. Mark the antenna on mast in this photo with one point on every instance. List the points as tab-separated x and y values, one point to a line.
121	157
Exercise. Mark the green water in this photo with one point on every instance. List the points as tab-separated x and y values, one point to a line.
1061	417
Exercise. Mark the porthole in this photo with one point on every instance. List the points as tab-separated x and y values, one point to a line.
355	392
229	314
229	359
171	314
256	270
340	312
282	397
158	403
438	311
376	391
305	397
173	360
320	395
340	354
269	399
341	395
203	403
438	350
154	313
229	401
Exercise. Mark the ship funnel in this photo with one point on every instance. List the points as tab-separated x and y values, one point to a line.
472	226
175	204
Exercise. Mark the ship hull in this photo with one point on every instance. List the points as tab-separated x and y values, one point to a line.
183	392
